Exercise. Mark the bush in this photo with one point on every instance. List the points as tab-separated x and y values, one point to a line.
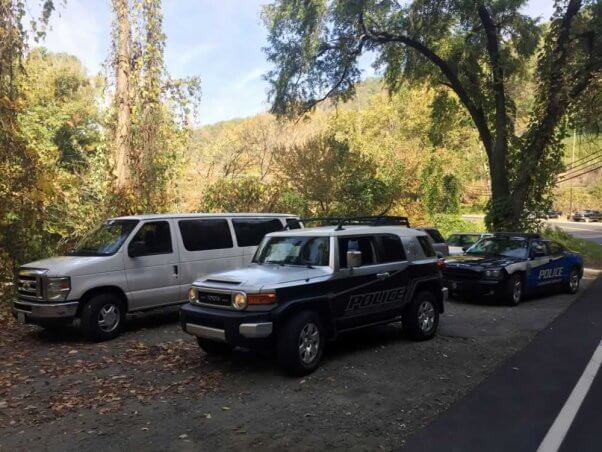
448	224
591	252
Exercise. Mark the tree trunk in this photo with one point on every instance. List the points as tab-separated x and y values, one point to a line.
122	139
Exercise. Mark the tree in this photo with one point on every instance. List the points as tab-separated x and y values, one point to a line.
478	50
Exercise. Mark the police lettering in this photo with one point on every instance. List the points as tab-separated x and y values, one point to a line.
375	298
550	273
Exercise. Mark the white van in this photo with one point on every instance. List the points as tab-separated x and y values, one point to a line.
137	263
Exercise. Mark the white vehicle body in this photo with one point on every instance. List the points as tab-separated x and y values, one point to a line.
191	246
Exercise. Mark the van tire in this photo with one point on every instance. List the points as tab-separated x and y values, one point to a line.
307	327
102	317
420	318
214	348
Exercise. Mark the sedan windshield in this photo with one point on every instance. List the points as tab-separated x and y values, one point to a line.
307	251
105	240
511	247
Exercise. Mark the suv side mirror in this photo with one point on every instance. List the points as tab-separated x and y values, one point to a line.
354	259
136	249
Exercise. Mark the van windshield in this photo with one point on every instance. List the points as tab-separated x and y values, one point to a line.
307	251
106	239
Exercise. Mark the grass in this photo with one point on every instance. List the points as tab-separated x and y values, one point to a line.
591	252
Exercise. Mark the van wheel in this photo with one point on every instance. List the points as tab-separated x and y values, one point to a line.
513	292
421	318
301	343
102	317
213	347
572	285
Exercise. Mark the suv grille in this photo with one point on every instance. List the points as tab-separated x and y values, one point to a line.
215	299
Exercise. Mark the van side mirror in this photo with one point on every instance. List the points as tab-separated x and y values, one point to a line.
137	249
354	259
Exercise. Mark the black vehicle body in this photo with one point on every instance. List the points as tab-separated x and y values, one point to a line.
587	216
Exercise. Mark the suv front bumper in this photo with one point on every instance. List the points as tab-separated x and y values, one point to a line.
244	329
32	310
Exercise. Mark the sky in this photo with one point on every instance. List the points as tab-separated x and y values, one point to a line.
218	40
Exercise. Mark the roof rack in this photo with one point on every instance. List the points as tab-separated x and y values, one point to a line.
527	235
375	220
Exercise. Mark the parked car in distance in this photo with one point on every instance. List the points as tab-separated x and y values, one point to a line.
587	216
553	214
305	287
509	265
136	263
459	242
439	243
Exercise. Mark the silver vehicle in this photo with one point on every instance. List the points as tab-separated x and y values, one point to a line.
439	244
305	287
459	242
137	263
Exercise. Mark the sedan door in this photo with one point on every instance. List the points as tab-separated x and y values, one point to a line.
152	266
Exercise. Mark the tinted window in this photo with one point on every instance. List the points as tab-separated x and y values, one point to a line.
202	235
390	249
363	244
293	223
250	231
503	246
425	243
462	239
435	235
538	248
153	238
555	248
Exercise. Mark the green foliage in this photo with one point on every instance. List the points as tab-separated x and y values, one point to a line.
440	190
592	252
449	224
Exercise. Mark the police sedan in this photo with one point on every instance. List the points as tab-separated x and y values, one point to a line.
509	266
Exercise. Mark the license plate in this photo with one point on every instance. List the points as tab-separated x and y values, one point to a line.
20	317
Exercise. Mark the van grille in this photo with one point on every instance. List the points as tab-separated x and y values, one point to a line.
29	284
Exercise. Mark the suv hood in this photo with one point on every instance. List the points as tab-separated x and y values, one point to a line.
261	275
77	265
480	262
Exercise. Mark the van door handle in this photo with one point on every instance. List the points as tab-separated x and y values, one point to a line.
383	275
175	270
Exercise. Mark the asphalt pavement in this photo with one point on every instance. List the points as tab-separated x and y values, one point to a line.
547	397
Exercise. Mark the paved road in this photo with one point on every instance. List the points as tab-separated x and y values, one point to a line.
588	231
545	398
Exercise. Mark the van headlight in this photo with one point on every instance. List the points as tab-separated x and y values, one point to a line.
239	301
57	288
193	295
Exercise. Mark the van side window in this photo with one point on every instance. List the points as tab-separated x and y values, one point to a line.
154	237
203	235
363	244
426	245
250	231
293	223
390	249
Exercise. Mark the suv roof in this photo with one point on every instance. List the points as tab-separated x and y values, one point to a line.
327	231
201	215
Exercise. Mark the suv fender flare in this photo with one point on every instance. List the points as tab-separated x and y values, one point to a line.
432	284
320	304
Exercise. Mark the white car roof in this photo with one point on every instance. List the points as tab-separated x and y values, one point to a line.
327	231
164	216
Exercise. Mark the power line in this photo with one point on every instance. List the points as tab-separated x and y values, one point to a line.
586	167
574	167
584	157
581	174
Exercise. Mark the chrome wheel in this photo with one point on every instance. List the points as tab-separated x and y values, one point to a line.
426	316
574	281
309	343
517	291
108	318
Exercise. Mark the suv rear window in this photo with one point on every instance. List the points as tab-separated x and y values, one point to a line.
203	235
425	243
250	231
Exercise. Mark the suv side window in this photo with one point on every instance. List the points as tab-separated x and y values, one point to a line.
435	235
250	231
363	244
203	235
293	223
390	249
426	245
155	238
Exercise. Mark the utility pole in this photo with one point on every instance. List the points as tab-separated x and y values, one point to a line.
572	164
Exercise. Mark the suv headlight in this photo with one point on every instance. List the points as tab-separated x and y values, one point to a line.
57	288
239	301
492	274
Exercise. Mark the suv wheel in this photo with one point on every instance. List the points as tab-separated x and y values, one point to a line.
213	347
421	318
301	343
513	292
102	317
572	285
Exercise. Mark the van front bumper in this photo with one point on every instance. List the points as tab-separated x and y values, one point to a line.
244	329
32	310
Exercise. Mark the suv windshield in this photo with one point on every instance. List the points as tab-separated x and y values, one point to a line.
511	247
105	240
305	251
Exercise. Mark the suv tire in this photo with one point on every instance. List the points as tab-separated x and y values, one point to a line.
421	318
301	343
572	285
514	290
214	348
103	317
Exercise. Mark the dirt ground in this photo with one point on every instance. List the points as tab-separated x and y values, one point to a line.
153	389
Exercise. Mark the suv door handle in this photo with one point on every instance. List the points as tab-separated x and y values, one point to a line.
383	275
